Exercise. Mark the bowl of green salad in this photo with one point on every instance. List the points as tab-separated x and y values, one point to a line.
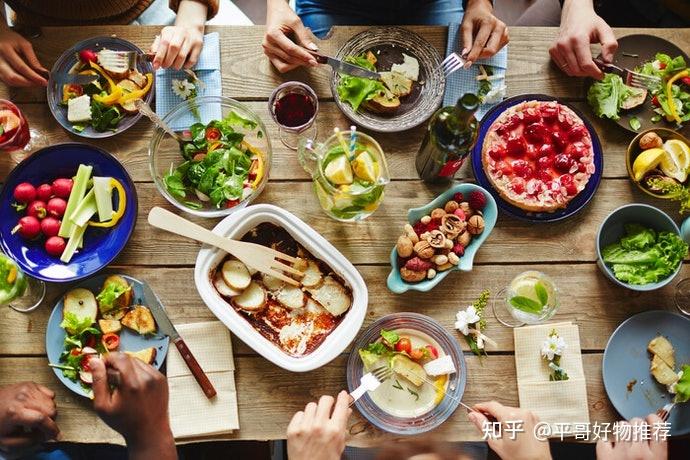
219	161
639	247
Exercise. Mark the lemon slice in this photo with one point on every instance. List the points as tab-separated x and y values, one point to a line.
646	161
365	167
338	171
679	153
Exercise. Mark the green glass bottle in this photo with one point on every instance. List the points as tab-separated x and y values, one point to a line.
450	137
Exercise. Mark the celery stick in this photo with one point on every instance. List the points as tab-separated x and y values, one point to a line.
104	197
75	237
85	210
75	197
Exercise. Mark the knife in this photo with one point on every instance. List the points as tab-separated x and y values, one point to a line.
167	328
344	67
76	79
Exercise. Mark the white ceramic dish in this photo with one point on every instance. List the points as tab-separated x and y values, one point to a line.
238	224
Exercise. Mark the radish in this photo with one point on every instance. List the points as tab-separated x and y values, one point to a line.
56	207
25	192
36	209
44	192
62	187
55	245
28	227
87	56
50	226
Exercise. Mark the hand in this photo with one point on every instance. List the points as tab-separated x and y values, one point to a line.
137	408
315	433
483	34
19	65
580	26
525	446
652	449
27	415
281	23
180	45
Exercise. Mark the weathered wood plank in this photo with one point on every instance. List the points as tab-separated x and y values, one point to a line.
268	397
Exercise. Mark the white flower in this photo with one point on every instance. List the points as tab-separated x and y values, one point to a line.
183	88
465	318
554	345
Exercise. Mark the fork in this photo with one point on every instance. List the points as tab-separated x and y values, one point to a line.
145	109
450	64
630	77
665	411
371	381
253	255
120	59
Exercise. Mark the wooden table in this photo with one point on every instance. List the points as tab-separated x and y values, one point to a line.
268	395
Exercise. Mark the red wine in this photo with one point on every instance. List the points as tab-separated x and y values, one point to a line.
294	109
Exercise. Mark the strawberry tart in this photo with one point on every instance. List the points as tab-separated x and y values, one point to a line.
538	155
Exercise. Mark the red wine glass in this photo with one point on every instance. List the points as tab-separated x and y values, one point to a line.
293	106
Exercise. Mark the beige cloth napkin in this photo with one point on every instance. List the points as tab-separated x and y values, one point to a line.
562	404
191	413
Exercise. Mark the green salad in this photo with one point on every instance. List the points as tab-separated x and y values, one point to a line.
357	90
682	386
644	256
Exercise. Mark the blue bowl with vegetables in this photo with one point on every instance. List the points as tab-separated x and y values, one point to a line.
640	248
222	162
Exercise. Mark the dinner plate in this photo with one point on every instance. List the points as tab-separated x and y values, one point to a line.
576	204
101	245
630	386
454	390
635	50
65	63
389	44
129	340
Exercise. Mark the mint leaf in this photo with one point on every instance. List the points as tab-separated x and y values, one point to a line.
525	304
542	294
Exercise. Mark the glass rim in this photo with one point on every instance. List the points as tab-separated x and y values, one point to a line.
272	101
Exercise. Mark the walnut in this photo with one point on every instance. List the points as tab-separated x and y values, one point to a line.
453	258
418	265
411	276
451	206
440	259
404	246
410	233
475	225
452	225
650	140
438	213
436	239
464	239
424	250
430	273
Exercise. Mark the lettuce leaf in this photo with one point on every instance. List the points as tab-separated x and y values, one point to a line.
683	386
110	293
75	325
390	336
356	90
605	96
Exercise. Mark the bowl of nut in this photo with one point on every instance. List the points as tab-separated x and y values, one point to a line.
441	237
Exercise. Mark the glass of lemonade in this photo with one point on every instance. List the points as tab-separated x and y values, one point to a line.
349	171
18	291
530	298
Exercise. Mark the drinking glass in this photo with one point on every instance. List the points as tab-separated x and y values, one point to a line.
293	106
682	296
16	138
18	291
530	298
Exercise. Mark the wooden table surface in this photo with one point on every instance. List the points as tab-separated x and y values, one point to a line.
268	395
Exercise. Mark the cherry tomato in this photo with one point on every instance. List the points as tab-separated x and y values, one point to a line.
231	203
111	341
84	363
75	352
432	351
212	134
686	80
655	101
403	345
70	91
417	354
662	65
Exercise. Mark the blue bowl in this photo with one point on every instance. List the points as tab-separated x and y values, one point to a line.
576	204
101	245
396	283
65	63
612	229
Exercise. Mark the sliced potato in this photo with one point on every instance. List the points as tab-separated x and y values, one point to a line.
252	299
140	319
271	282
235	274
109	325
662	372
312	275
222	287
661	347
137	78
81	303
332	296
291	297
147	355
105	60
128	86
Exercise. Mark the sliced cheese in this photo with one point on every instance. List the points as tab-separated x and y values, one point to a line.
79	109
409	67
440	366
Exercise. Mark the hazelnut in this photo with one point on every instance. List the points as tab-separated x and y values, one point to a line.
451	206
449	243
424	250
453	258
430	273
411	276
464	239
404	246
466	209
438	213
410	233
475	225
650	140
440	259
425	220
444	267
436	239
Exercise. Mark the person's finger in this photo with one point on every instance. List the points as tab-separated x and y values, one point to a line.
323	410
295	423
570	65
100	386
146	368
604	448
478	420
282	55
125	366
279	64
21	67
36	420
609	44
656	444
28	52
585	62
12	78
304	36
154	46
466	29
194	53
480	39
296	53
46	391
340	411
162	48
493	408
495	42
309	413
174	48
182	55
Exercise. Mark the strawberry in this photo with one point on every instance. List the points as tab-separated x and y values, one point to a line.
477	200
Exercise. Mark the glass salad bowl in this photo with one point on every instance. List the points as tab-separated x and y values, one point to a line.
221	165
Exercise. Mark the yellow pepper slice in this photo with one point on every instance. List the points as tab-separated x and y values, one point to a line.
115	91
139	93
260	161
121	206
12	275
669	93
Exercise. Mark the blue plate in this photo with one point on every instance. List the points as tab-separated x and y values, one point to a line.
576	204
101	245
626	364
65	63
129	340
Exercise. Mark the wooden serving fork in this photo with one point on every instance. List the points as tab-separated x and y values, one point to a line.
256	256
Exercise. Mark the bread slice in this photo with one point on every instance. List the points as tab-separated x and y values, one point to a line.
81	303
397	83
371	57
140	319
662	372
125	299
109	325
252	299
384	102
661	347
147	355
332	296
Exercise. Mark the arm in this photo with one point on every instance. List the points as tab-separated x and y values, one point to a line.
483	34
282	51
180	45
580	26
19	65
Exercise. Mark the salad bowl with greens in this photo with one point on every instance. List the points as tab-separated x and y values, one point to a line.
219	166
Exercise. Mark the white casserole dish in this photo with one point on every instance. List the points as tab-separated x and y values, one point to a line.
237	225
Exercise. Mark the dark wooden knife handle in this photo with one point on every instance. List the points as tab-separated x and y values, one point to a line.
320	58
196	369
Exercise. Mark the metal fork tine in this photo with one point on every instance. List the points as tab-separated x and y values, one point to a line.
281	266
